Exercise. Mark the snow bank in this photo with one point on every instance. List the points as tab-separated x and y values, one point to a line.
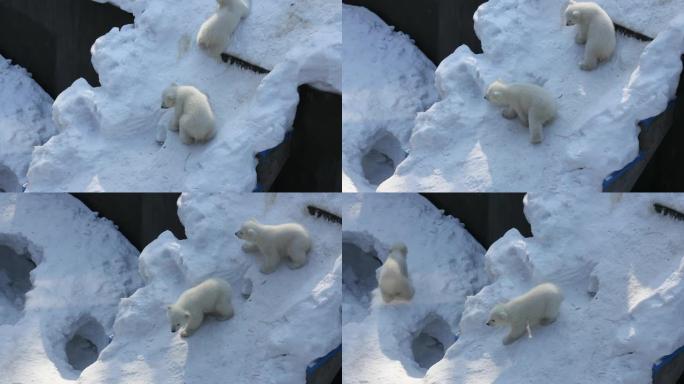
25	121
621	268
462	143
107	134
290	319
386	80
63	272
388	343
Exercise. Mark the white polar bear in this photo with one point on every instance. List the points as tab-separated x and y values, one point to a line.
214	33
275	242
213	296
394	281
595	29
194	119
540	305
530	103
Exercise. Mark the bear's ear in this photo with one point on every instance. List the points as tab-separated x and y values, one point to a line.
576	14
187	315
496	93
251	232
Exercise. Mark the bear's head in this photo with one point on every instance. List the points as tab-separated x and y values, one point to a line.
399	248
178	317
495	93
169	96
248	231
573	14
498	316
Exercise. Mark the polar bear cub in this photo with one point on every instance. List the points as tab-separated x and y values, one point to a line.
595	29
214	33
275	242
193	119
530	103
540	305
213	296
394	281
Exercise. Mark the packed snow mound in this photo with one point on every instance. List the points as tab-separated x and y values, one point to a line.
72	269
386	81
462	143
25	122
290	318
108	134
620	266
397	342
648	18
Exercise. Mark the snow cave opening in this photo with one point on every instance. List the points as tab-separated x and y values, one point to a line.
15	281
87	341
359	264
382	159
431	342
8	180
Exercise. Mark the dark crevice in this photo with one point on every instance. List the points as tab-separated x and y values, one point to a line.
139	217
56	37
234	60
318	212
667	211
631	33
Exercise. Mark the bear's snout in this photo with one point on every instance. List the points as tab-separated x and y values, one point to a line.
489	323
236	234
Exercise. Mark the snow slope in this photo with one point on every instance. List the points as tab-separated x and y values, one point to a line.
84	268
462	143
107	134
386	81
445	265
621	268
290	319
25	121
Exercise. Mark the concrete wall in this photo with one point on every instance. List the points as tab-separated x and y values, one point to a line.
315	163
52	38
437	26
487	216
140	217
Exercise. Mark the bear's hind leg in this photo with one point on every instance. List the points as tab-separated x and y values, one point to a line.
184	137
224	310
547	321
297	255
590	60
386	297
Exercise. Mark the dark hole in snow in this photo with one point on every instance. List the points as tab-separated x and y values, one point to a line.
593	287
429	345
358	271
15	281
382	159
88	340
8	180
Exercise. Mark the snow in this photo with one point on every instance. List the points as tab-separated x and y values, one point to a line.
462	143
619	264
386	343
107	134
614	242
25	121
386	80
72	269
288	320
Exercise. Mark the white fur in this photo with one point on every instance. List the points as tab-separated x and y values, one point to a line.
275	242
194	119
215	33
394	281
540	305
530	103
595	29
213	296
